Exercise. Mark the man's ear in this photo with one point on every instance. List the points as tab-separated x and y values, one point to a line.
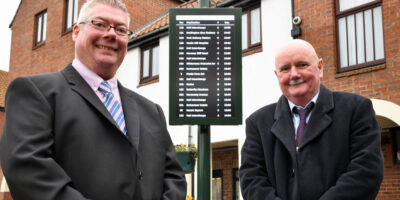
75	32
321	68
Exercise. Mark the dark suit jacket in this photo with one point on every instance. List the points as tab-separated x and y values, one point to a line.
60	142
339	157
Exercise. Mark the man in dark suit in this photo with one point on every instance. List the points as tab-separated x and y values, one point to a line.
336	156
66	135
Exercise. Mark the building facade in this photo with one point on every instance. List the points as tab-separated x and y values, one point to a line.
357	40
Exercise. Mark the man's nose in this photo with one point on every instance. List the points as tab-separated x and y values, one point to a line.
294	73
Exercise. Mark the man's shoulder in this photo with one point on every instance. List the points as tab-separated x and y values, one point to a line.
264	112
347	97
44	79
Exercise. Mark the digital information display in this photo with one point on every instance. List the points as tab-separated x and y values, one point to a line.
205	66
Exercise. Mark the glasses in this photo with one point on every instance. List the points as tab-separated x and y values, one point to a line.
105	27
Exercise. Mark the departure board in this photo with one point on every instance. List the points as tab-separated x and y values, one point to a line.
205	66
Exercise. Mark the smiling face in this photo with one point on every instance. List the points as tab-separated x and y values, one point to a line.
101	51
299	71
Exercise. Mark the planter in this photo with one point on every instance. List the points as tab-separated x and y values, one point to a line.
186	160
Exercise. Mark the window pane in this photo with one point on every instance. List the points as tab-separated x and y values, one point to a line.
360	38
244	31
347	4
44	26
369	46
39	29
69	14
146	59
378	36
155	61
217	188
343	42
351	40
75	12
255	26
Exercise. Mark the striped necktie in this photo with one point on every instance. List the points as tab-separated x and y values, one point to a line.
113	106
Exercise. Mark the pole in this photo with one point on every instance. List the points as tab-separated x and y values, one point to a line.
203	166
204	3
203	170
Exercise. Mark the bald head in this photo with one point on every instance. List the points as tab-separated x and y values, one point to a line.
296	45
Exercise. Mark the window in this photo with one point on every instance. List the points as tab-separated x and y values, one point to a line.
236	184
251	27
360	34
41	23
71	14
396	143
149	66
216	185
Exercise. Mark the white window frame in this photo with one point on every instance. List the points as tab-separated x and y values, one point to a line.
360	35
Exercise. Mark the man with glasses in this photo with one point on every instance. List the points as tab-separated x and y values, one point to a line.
79	134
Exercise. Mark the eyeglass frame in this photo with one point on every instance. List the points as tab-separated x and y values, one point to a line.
129	32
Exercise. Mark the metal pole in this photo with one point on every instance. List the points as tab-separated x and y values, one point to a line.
203	166
203	170
204	3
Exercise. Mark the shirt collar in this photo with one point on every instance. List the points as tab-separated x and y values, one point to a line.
91	77
292	105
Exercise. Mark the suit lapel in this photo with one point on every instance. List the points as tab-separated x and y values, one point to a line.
131	115
319	119
79	85
283	127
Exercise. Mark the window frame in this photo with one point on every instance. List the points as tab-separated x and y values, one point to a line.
218	173
395	131
247	10
150	77
235	179
73	12
354	11
43	28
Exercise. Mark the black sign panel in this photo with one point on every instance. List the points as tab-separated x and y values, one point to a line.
205	66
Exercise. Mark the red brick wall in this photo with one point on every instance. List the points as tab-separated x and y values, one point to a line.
226	159
58	50
379	82
390	188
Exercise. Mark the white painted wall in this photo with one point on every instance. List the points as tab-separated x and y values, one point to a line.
260	86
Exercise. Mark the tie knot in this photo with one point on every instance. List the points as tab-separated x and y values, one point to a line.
303	113
105	87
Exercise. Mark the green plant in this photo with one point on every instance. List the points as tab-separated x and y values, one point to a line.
184	148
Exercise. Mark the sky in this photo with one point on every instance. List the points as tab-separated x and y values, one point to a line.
7	11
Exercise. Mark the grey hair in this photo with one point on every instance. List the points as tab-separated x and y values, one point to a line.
86	7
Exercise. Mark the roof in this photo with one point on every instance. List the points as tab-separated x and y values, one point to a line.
3	86
163	20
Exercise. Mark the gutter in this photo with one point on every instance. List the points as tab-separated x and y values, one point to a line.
148	37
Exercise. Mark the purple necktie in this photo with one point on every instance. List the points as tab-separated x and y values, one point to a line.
113	106
303	113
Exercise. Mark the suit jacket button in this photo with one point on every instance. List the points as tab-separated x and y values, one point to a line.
140	176
292	172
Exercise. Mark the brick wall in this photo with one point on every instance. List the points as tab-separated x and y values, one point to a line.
226	159
390	188
379	82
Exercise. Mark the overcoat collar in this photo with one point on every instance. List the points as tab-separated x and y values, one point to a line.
283	127
129	106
